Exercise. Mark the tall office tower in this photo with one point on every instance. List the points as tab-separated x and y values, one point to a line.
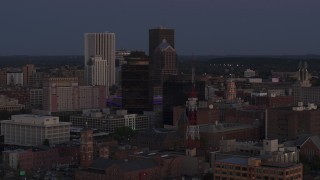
136	85
86	147
164	63
120	60
157	35
99	59
160	39
27	71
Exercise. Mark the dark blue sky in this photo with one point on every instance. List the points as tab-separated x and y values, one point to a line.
219	27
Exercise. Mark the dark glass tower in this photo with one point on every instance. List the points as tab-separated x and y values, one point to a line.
156	37
136	84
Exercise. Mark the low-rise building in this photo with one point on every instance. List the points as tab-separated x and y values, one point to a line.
255	168
33	130
10	104
107	122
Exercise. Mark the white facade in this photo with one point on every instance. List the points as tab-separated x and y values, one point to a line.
15	78
249	73
99	59
32	130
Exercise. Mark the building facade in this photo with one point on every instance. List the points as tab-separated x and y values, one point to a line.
287	123
64	94
110	122
156	37
163	63
99	59
136	85
33	130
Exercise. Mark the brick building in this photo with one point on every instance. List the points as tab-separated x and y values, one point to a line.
213	133
42	157
255	168
288	123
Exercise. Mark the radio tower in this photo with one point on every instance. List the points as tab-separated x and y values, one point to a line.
192	133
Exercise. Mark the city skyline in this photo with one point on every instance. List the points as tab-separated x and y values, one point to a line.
204	27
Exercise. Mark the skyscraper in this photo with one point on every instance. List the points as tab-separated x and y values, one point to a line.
99	59
136	85
164	63
156	37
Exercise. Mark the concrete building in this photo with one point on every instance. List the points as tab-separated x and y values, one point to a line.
64	94
110	122
10	104
99	59
36	97
249	73
32	130
15	78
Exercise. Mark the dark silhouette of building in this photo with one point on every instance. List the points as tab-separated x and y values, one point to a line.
163	63
86	147
175	93
157	35
136	84
289	123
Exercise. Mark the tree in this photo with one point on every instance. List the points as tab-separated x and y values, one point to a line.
46	142
122	133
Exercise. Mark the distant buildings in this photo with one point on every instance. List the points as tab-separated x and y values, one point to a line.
156	37
288	123
86	147
254	160
249	73
107	122
33	130
163	63
41	157
28	71
10	104
99	59
15	78
64	94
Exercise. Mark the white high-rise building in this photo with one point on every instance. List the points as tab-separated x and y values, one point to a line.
99	59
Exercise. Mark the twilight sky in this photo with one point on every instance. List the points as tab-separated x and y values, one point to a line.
217	27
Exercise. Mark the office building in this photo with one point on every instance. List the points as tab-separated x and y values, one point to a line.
27	71
32	130
255	168
120	60
10	104
36	98
64	94
163	63
156	37
288	123
110	122
15	78
136	86
99	59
